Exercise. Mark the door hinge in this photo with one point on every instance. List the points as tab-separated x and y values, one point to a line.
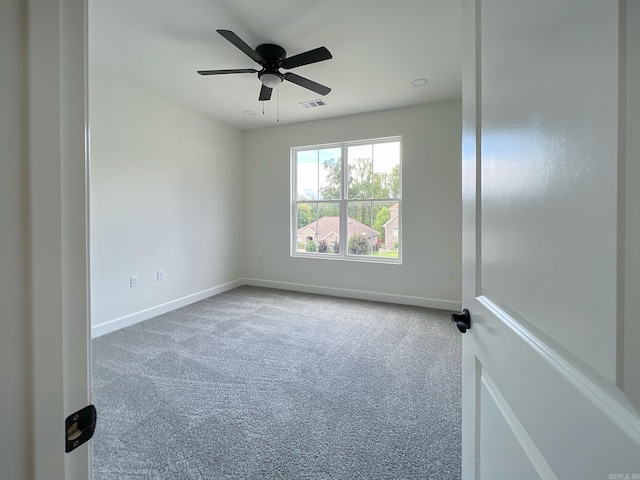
79	427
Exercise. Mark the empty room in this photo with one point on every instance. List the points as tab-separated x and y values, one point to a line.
304	239
271	280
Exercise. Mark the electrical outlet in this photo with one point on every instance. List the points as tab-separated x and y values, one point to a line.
160	275
133	281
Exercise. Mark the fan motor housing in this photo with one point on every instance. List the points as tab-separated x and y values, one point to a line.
272	54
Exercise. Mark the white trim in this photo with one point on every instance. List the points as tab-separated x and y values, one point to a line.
55	106
132	319
128	320
344	201
602	394
438	303
519	431
349	258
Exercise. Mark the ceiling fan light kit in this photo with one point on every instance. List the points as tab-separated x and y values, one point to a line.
272	58
270	79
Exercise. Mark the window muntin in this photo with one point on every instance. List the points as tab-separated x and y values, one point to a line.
359	197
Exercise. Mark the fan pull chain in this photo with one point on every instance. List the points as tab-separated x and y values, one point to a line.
263	107
278	102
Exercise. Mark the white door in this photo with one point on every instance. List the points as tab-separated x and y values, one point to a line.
543	113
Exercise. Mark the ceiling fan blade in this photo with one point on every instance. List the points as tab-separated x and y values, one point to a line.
306	83
224	72
312	56
265	93
239	43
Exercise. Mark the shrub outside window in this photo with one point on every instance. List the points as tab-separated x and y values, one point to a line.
346	200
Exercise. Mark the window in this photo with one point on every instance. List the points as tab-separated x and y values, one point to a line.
346	200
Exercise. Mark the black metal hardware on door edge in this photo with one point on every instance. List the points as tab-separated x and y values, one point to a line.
462	320
79	427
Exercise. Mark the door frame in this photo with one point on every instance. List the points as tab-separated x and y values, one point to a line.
471	144
59	224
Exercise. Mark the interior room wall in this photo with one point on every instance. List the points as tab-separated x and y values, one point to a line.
15	351
431	245
165	194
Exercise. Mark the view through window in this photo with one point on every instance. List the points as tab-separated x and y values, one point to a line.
346	200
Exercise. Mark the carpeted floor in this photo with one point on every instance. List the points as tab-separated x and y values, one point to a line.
265	384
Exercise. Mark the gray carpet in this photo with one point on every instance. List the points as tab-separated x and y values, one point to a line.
265	384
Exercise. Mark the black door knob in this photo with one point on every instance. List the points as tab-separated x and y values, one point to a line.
462	320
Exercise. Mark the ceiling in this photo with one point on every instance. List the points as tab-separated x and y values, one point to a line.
379	48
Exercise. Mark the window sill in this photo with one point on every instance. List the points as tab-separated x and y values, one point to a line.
351	258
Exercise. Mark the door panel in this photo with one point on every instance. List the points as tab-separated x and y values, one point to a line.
501	441
540	243
549	169
565	422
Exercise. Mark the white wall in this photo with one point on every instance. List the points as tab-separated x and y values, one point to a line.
431	208
166	194
15	351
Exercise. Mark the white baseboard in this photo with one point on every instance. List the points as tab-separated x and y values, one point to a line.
359	294
148	313
127	320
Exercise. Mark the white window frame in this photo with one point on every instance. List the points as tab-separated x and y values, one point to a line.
343	254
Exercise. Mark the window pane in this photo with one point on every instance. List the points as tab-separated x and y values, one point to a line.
361	239
386	221
328	228
357	180
330	174
360	164
307	175
307	214
386	170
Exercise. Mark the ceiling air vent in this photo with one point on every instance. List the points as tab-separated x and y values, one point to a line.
314	103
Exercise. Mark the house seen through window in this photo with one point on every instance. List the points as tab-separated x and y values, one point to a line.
346	200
